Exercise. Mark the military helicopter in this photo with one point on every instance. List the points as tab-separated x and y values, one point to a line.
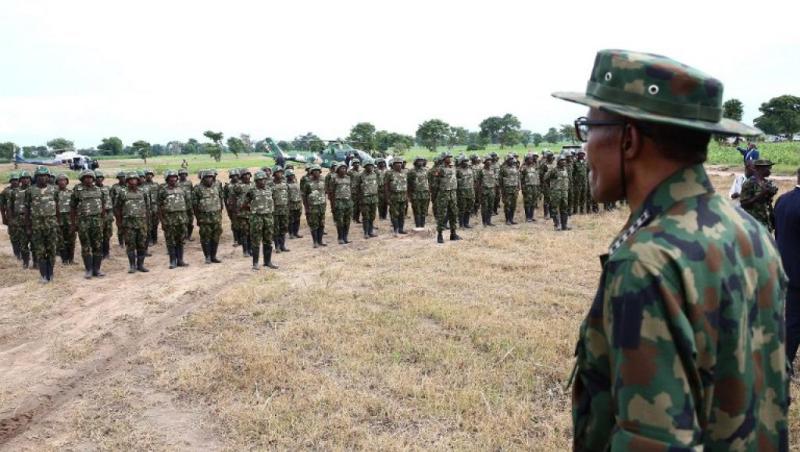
69	158
336	151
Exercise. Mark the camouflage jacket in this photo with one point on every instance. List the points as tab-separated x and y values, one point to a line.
418	184
508	177
41	203
131	204
187	187
683	346
207	199
466	180
172	200
558	179
114	191
355	181
368	184
529	176
88	201
760	209
580	173
63	197
5	199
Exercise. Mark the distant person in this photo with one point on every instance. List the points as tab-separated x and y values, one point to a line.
750	153
787	235
683	346
757	194
736	188
184	164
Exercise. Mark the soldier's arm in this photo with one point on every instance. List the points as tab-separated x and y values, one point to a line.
748	195
73	209
118	201
4	206
27	209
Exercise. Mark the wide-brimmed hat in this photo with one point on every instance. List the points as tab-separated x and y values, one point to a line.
657	89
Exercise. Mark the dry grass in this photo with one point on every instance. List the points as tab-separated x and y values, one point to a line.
388	344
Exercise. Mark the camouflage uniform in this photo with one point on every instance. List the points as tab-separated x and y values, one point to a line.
466	193
260	206
477	167
683	346
131	208
229	201
66	231
446	200
108	218
242	216
509	182
419	190
545	166
368	189
341	199
355	174
329	184
761	209
558	184
280	196
383	201
187	187
529	179
42	207
172	208
88	204
207	205
314	202
396	188
295	206
6	198
20	233
151	188
487	185
113	192
433	184
580	186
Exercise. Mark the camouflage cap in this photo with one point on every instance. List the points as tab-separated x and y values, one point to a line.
121	174
260	175
62	176
42	171
657	89
98	174
23	174
86	173
13	176
763	162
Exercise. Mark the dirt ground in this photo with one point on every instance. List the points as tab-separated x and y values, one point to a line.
387	343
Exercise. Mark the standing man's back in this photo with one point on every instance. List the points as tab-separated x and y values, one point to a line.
787	235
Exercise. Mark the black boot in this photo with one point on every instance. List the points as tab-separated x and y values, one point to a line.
401	225
466	221
173	259
394	227
25	261
422	220
297	230
140	262
189	233
511	217
106	249
97	261
268	257
556	224
255	259
245	246
88	266
43	271
314	238
15	248
121	242
50	264
564	220
439	238
339	234
236	237
453	235
206	251
214	249
345	234
179	255
283	244
371	229
132	262
320	233
365	228
276	244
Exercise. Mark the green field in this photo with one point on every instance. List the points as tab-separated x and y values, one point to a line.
786	157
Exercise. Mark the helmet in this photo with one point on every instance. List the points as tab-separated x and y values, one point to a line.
355	161
62	176
121	174
446	154
260	175
244	171
98	174
420	158
149	171
13	176
140	173
183	171
314	167
86	173
581	151
398	160
341	165
561	157
380	160
289	173
369	164
276	168
131	175
23	174
493	155
212	172
42	171
170	173
233	172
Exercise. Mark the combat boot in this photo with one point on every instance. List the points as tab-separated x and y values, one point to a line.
511	217
179	255
206	253
466	221
453	235
401	222
340	235
371	229
43	272
556	224
173	260
439	238
314	238
96	263
533	214
277	245
245	247
365	227
268	257
214	248
297	230
50	264
88	265
564	217
132	261
345	233
25	260
394	228
106	249
189	233
320	233
255	259
140	262
283	244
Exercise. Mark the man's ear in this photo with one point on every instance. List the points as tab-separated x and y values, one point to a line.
632	141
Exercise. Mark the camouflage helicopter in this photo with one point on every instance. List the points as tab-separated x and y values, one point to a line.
336	151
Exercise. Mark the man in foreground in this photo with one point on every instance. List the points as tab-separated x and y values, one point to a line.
683	346
787	235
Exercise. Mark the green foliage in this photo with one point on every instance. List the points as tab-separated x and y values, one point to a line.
780	116
247	142
552	136
111	146
216	137
399	143
733	109
142	149
363	136
308	143
490	128
433	133
192	146
285	145
459	136
525	137
60	145
537	139
35	151
236	146
7	150
213	150
567	132
509	133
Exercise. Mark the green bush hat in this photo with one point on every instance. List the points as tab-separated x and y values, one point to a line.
763	162
657	89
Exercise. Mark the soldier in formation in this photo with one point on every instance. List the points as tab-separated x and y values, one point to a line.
508	179
6	198
446	199
108	215
187	187
41	217
172	204
558	184
313	192
207	203
242	215
419	191
354	173
383	201
529	180
341	198
396	189
20	234
295	204
131	208
368	194
259	203
280	216
114	192
66	248
88	207
466	192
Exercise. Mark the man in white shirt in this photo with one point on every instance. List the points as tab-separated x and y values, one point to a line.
736	187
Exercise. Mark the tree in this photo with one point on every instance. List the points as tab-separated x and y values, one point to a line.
236	145
363	134
567	132
192	146
537	139
7	150
733	109
112	146
490	128
142	148
308	142
525	137
458	136
433	133
385	140
552	136
175	147
780	116
61	144
247	142
213	149
285	145
508	135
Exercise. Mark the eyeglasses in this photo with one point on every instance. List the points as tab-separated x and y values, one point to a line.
583	125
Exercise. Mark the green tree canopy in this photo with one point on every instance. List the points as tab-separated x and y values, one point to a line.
60	145
509	133
780	116
112	146
385	140
490	128
236	146
363	134
309	142
7	150
733	109
567	132
142	148
537	139
552	136
433	133
247	142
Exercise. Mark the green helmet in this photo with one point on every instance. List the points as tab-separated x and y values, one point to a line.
369	164
62	176
201	174
23	174
149	171
211	172
420	158
314	167
354	161
140	173
170	173
42	171
244	171
398	160
183	171
13	176
98	174
341	165
86	173
260	175
561	157
131	175
289	173
380	160
121	174
276	168
233	172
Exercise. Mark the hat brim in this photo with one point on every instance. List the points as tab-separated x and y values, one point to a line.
724	127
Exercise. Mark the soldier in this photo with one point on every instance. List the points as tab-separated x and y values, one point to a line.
87	214
558	183
131	211
258	201
230	202
342	201
6	197
580	177
498	193
115	189
570	172
477	166
354	174
187	187
396	189
383	201
172	214
207	206
152	193
41	210
368	190
757	194
280	197
295	204
529	179
22	236
66	232
419	191
242	215
329	183
547	163
314	203
108	214
683	347
466	192
508	179
446	198
432	183
486	183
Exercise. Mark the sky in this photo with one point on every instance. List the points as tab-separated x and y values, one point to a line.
169	70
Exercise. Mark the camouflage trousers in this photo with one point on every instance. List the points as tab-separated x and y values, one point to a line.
383	206
510	200
137	233
487	202
580	197
153	227
174	227
315	216
66	234
419	203
356	207
447	210
261	230
108	227
476	205
498	194
466	201
44	238
570	199
545	190
21	237
342	213
90	232
398	204
295	212
210	224
530	196
244	227
280	221
559	202
369	204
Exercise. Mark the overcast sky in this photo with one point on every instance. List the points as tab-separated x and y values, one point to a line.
164	70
